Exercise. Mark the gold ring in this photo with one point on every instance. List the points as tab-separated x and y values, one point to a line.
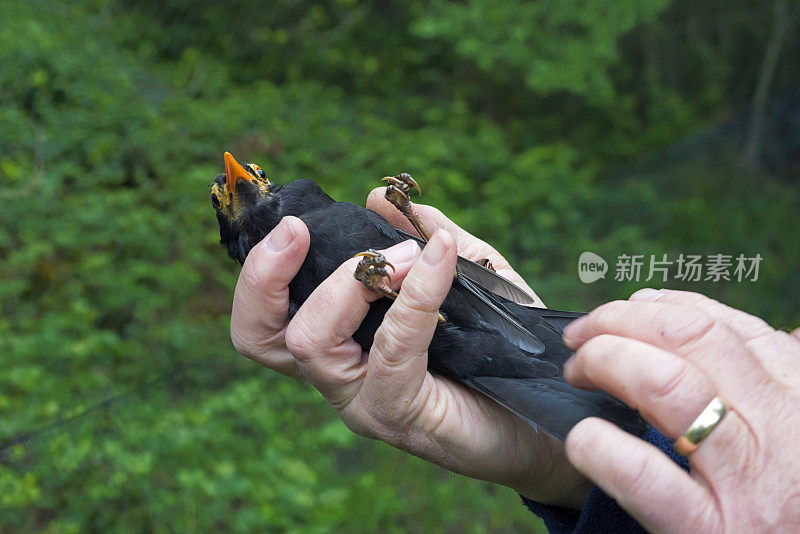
701	427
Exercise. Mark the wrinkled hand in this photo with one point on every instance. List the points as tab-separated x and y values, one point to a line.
388	394
261	299
667	354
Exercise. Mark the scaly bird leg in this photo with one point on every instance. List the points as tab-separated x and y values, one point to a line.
371	271
397	191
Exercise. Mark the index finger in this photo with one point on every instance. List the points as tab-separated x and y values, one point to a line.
320	334
770	346
684	330
398	361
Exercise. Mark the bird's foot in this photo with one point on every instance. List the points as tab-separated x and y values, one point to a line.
371	271
397	191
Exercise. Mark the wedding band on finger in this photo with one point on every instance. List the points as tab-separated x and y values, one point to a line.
699	430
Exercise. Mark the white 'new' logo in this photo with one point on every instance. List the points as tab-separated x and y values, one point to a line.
591	267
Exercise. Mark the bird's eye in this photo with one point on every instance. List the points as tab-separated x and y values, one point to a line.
261	173
215	201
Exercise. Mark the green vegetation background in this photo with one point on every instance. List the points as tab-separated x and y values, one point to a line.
547	128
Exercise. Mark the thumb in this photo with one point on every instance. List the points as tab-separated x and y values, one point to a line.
261	299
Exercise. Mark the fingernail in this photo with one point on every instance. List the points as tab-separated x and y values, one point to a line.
571	331
402	252
280	236
434	250
648	294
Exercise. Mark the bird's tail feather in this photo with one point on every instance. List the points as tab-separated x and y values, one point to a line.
554	405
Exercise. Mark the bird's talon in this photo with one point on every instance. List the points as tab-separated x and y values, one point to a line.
409	182
397	191
371	271
404	183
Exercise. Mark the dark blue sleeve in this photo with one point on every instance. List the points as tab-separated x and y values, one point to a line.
600	513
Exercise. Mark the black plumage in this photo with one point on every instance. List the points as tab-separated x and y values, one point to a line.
492	341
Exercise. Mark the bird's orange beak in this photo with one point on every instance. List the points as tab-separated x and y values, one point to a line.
234	172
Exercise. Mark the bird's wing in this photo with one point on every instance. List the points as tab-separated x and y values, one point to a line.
499	317
485	278
484	286
554	405
558	319
493	282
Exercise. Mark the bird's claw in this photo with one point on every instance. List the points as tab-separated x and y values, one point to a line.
403	183
397	191
371	271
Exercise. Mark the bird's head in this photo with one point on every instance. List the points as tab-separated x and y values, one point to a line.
238	189
237	195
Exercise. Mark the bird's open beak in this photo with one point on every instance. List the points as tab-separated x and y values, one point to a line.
234	172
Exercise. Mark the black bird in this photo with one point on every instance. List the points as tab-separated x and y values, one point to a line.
490	337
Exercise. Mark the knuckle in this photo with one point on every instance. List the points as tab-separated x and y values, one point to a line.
631	477
684	326
599	350
375	197
349	266
749	327
415	296
358	421
245	345
740	434
477	249
297	339
392	340
599	318
685	297
254	274
667	382
366	419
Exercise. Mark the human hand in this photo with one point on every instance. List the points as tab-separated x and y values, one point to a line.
389	395
261	299
668	354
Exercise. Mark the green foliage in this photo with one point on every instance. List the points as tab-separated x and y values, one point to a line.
571	49
533	124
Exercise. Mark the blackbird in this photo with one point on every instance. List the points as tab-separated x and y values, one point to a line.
490	337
